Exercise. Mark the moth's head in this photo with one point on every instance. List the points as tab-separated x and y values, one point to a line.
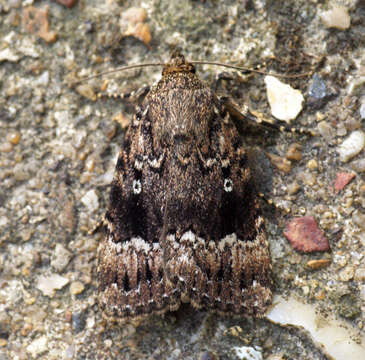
178	64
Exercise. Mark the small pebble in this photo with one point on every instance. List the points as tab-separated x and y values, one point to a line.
281	163
91	200
134	18
347	273
67	217
77	287
362	292
352	124
305	235
317	88
78	321
21	173
89	164
9	55
248	353
285	102
79	139
351	146
342	179
60	258
341	129
48	284
359	219
312	164
35	20
6	147
294	152
175	354
308	178
134	15
38	347
70	352
338	18
318	263
320	116
293	188
141	32
362	110
13	137
27	328
86	91
326	130
360	274
320	295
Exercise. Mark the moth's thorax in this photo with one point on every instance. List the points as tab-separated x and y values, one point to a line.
178	80
183	106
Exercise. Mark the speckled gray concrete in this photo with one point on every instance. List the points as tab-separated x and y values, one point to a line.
58	149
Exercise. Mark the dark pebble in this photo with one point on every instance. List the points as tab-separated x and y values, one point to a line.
317	88
78	321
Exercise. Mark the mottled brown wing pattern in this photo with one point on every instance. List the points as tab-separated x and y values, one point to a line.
130	269
216	252
184	222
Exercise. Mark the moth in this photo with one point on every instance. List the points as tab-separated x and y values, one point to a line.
184	222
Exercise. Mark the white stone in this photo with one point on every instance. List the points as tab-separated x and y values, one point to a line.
336	336
60	258
362	110
49	284
38	347
247	353
8	55
338	17
285	102
351	146
27	46
91	200
3	221
77	287
62	117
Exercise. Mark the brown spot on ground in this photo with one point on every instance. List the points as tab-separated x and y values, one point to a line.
134	18
342	179
318	263
281	163
67	3
305	235
35	20
294	152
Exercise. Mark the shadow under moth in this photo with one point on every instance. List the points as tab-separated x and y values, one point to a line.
184	222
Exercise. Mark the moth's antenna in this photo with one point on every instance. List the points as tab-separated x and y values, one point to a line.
137	66
248	69
128	67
